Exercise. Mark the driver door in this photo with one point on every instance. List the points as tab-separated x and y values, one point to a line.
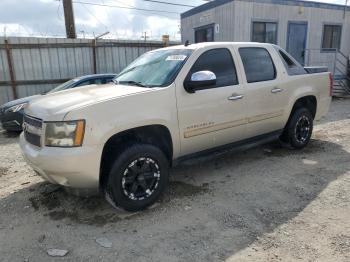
214	115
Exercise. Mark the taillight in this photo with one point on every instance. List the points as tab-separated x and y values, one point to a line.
331	82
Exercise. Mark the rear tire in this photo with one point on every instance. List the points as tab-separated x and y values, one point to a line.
138	177
299	128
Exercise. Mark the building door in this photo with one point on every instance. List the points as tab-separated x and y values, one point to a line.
296	43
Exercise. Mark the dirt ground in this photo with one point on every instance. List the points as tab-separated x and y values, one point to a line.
265	204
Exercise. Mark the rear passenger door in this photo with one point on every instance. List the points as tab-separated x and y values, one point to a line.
261	85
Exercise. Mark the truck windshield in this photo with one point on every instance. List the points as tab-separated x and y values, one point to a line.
154	69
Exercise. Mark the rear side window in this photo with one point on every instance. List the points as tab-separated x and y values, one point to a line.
287	60
293	68
258	64
220	62
84	83
94	81
108	80
98	81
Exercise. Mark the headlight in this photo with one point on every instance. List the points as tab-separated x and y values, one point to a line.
64	134
16	108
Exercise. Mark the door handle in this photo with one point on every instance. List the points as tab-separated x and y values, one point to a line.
276	90
235	97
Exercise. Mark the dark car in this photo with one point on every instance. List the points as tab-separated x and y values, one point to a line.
11	113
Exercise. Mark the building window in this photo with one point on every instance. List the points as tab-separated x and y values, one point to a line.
204	34
331	37
264	32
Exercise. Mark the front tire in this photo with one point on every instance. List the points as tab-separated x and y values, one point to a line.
138	177
299	128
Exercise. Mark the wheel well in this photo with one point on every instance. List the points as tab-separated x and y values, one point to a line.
309	102
157	135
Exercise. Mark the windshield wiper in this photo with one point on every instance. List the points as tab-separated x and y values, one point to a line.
134	83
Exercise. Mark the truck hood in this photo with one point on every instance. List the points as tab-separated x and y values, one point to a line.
53	107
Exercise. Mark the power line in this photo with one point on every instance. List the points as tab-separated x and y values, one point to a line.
168	3
98	20
103	2
125	7
120	2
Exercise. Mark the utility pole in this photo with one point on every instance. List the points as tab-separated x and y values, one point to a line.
69	18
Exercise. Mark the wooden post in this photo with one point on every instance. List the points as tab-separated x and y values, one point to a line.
11	69
94	62
69	19
165	39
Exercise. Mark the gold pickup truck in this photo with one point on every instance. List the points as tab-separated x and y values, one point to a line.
169	105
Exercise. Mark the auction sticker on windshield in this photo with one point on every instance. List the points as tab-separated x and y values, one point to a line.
176	58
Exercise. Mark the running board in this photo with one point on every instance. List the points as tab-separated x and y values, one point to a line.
229	148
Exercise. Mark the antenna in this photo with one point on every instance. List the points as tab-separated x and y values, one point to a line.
145	36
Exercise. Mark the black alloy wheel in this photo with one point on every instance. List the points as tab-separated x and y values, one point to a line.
299	128
302	129
138	177
141	178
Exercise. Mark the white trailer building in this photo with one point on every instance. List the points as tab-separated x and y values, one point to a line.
314	33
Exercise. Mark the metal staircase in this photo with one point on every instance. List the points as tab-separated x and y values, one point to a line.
341	76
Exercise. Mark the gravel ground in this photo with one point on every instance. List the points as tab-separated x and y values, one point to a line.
265	204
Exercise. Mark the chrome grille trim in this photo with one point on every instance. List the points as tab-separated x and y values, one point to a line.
32	128
33	121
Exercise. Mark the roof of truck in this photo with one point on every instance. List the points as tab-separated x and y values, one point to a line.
208	44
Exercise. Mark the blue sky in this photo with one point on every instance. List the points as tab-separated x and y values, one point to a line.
45	18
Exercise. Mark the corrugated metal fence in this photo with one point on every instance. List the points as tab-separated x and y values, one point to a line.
30	65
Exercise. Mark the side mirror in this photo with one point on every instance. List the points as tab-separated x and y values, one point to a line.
200	80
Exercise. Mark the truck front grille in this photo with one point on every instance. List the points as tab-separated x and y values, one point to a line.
36	122
32	128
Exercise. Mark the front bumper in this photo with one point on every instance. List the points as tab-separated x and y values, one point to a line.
77	167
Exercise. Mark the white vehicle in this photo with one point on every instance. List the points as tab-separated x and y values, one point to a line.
168	105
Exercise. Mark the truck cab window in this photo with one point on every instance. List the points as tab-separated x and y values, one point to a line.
220	62
258	64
